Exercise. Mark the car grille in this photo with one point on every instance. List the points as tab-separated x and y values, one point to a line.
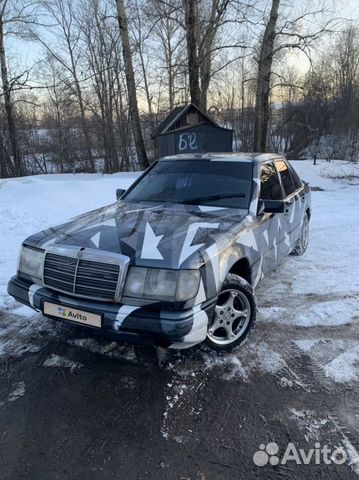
82	277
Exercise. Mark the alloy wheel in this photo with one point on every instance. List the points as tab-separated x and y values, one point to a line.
231	318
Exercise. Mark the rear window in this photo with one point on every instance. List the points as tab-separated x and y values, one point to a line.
296	179
286	177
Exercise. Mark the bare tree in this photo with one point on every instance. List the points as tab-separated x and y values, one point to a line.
284	32
263	81
140	34
344	64
168	31
17	167
99	53
202	23
56	112
68	55
131	85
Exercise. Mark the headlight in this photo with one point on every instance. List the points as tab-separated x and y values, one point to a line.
31	262
187	285
161	284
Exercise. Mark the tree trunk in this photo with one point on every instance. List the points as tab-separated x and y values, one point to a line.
205	73
145	81
263	81
17	166
107	159
121	125
131	85
171	89
61	138
206	55
85	129
4	160
200	41
192	50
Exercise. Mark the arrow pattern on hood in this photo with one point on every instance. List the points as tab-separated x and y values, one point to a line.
150	244
188	248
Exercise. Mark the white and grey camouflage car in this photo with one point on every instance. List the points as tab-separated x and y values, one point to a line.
174	262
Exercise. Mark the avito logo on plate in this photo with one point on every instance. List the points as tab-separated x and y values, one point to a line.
62	312
71	315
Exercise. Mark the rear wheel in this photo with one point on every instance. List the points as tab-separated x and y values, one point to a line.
235	314
303	241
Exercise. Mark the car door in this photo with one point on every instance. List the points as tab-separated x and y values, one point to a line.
270	225
292	216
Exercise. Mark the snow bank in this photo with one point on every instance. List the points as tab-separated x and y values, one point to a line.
340	171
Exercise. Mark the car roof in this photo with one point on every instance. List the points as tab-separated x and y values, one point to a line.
225	156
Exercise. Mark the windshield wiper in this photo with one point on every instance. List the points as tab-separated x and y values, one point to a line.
196	201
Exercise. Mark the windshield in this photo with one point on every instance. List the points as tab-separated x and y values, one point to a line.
195	182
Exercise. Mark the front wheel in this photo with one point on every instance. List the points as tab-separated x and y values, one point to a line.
234	316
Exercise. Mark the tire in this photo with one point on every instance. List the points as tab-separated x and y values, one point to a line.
303	241
227	329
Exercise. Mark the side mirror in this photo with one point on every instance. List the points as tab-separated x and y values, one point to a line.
119	193
270	206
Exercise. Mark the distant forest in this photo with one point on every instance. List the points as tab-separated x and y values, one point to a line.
283	75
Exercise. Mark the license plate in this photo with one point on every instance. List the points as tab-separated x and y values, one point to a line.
72	314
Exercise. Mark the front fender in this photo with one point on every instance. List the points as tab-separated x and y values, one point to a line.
218	260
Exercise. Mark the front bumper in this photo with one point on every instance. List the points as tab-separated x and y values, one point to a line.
148	324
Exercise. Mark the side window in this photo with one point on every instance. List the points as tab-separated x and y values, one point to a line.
296	180
285	176
270	186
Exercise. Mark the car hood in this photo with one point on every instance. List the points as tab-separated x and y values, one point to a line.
150	234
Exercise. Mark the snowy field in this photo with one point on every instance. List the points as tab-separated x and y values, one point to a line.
305	341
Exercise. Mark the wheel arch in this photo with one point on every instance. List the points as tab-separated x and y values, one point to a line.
243	269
